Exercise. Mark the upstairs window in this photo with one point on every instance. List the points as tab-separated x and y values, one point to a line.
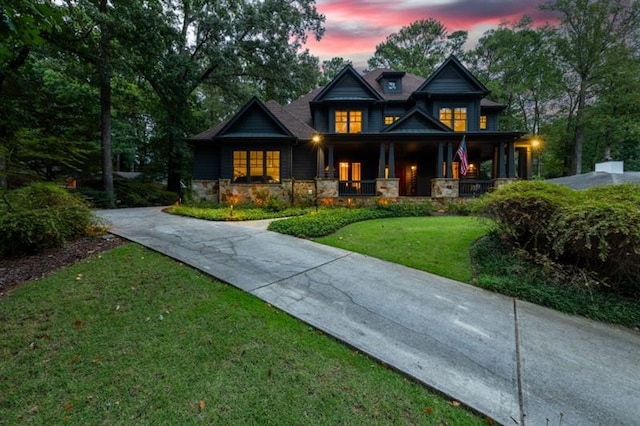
348	121
483	122
256	166
390	119
455	118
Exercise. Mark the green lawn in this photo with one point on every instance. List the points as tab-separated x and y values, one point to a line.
437	244
132	337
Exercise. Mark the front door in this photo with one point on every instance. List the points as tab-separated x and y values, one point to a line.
408	180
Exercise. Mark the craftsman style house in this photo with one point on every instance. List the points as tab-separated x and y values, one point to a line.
382	134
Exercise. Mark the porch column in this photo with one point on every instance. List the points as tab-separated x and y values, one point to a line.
449	173
440	162
331	168
320	162
501	166
511	159
381	161
392	161
524	163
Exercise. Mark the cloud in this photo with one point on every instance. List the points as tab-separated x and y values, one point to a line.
355	27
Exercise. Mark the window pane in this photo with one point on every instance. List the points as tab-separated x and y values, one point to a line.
341	122
483	122
355	121
446	116
239	166
343	171
460	120
256	166
273	166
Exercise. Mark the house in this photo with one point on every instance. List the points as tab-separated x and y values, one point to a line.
382	134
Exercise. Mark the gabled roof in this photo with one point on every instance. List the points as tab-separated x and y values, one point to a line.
416	121
452	69
410	83
276	122
348	72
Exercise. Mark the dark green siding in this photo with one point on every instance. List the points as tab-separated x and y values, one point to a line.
304	161
348	88
206	162
255	121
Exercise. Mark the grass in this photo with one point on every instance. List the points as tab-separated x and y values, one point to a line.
438	244
132	337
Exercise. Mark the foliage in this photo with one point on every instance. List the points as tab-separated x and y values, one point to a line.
235	213
129	193
523	210
597	230
331	67
418	48
500	268
518	64
326	221
134	335
39	216
588	32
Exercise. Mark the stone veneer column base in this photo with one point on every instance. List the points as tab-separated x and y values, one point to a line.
445	188
503	181
388	187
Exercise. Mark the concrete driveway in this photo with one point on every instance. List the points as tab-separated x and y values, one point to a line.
514	361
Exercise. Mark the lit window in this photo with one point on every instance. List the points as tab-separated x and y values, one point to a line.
390	119
239	166
455	118
348	121
455	169
262	167
483	122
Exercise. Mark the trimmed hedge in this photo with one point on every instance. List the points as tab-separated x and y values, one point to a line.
597	230
40	216
329	220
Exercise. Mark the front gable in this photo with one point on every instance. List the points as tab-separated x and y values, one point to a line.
416	121
348	85
452	78
254	120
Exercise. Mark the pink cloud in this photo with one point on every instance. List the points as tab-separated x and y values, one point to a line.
355	27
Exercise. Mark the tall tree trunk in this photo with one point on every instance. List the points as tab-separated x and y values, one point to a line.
104	71
579	130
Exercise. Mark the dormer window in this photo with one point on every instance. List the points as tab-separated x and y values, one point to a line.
391	81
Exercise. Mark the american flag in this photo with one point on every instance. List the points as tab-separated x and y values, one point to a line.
462	154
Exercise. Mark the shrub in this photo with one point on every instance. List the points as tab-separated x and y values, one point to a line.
523	210
40	216
603	237
138	193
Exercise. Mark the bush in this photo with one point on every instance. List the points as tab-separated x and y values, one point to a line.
328	221
40	216
523	211
138	193
602	237
597	230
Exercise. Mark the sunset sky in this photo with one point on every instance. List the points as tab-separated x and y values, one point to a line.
355	27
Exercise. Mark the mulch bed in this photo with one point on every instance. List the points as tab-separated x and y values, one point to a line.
15	271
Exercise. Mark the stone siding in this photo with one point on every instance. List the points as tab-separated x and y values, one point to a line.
388	188
444	188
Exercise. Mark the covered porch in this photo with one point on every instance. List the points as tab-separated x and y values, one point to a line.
421	165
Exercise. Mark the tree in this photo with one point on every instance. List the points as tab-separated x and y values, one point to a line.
189	43
22	23
418	48
331	68
588	30
517	63
87	32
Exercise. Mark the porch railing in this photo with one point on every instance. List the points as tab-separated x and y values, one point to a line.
474	187
356	187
